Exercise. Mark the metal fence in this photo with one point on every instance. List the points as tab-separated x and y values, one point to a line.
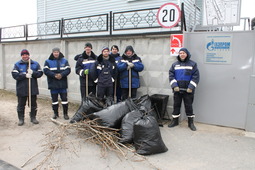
142	21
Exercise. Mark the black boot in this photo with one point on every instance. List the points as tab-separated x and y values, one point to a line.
56	115
21	118
191	124
65	110
33	116
174	122
55	109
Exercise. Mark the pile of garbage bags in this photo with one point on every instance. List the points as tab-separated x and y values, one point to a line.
135	117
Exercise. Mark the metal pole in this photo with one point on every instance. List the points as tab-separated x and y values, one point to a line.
129	82
0	34
61	27
110	25
183	21
26	32
87	86
115	91
29	87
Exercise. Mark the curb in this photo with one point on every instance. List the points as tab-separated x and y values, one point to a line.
6	166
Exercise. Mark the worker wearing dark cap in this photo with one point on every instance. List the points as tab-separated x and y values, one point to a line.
57	68
85	62
23	74
129	63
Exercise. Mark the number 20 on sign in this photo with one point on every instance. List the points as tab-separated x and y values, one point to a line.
168	15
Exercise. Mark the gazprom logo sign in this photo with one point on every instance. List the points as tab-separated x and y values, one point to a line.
218	49
212	46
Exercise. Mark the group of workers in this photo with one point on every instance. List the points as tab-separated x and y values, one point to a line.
105	76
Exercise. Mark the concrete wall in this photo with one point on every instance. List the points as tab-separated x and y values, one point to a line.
153	50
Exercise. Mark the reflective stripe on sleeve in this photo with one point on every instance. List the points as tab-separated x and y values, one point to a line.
193	83
173	81
81	72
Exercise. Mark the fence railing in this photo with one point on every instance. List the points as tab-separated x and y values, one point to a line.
136	19
126	22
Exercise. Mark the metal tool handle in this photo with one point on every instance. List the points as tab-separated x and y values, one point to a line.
29	86
87	86
129	83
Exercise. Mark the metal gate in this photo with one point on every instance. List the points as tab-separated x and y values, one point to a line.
226	92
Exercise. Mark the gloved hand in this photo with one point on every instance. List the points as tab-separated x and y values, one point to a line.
30	71
189	90
58	76
176	89
86	72
29	76
130	64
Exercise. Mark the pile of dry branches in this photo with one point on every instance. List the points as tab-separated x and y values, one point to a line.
87	130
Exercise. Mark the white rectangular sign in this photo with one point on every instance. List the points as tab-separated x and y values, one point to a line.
218	49
221	12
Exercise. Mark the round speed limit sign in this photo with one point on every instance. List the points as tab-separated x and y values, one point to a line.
168	15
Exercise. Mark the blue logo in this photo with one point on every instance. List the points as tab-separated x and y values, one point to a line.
213	46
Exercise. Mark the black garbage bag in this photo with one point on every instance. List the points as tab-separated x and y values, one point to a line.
131	104
109	101
127	125
112	115
143	102
153	113
89	105
147	137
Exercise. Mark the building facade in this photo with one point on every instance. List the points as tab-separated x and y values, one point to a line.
48	10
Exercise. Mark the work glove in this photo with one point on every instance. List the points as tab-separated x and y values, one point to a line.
30	71
189	90
29	76
130	64
86	72
176	89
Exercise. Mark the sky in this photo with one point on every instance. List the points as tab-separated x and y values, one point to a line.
20	12
17	12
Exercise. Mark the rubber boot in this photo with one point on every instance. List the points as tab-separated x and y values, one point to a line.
55	109
56	115
191	124
33	116
65	110
174	122
21	118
